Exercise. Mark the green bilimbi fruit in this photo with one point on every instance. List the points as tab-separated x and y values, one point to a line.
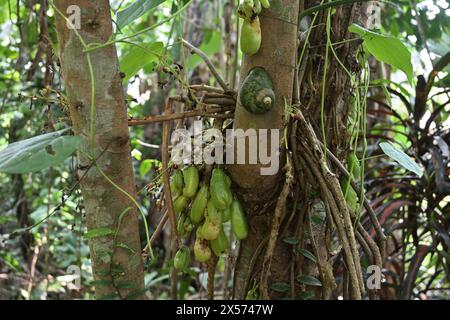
244	11
238	221
250	41
226	214
202	252
182	258
220	190
210	229
265	4
199	205
257	7
176	182
220	244
180	225
188	226
180	203
191	180
212	214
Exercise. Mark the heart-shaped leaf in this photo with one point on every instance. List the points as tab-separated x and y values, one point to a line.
387	49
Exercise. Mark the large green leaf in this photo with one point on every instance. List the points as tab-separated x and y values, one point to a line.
402	158
38	153
138	57
135	10
387	49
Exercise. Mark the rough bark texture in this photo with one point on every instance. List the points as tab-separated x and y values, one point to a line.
277	56
119	269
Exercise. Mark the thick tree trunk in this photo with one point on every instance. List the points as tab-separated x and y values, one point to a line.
117	264
277	56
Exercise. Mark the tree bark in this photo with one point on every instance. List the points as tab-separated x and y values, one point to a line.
117	263
277	56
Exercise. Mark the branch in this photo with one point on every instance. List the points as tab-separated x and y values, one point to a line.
209	63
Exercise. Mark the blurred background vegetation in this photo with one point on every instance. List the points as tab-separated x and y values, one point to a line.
42	214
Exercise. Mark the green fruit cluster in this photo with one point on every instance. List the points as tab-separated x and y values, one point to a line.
251	30
205	206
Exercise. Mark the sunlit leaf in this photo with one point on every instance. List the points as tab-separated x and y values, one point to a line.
387	49
140	56
401	157
38	153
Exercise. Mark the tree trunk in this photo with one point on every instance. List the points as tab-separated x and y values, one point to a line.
278	55
116	257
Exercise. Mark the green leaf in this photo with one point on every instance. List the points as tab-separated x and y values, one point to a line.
307	254
98	232
387	49
309	280
38	153
135	11
290	240
402	158
279	286
306	295
140	56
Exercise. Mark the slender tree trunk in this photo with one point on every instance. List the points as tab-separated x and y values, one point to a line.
117	264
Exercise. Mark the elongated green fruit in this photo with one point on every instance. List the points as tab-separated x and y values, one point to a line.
250	41
238	221
351	196
220	190
265	4
226	214
202	252
182	258
180	204
256	7
180	225
212	213
191	180
220	244
199	205
176	182
210	229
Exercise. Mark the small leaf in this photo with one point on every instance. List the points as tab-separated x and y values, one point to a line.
387	49
291	240
98	232
401	157
279	286
38	153
306	295
307	254
135	10
309	280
